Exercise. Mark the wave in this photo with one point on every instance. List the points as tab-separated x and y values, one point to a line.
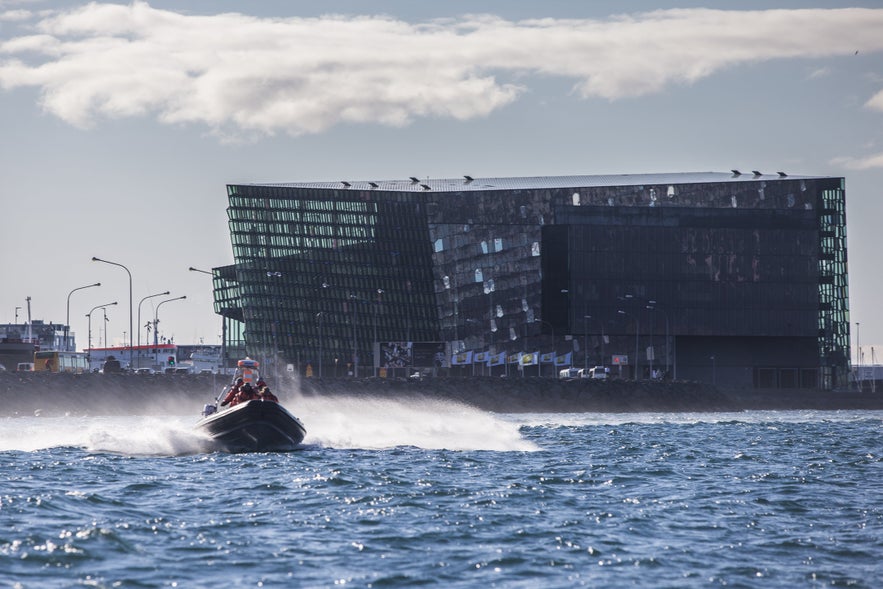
654	418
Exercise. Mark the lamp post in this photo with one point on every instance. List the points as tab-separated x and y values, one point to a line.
67	323
270	351
156	317
858	356
355	347
539	360
223	360
159	294
586	328
94	259
376	347
637	331
670	351
104	312
89	317
320	316
410	304
586	341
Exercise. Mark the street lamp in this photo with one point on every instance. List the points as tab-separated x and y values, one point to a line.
858	356
269	334
637	331
376	346
586	341
670	350
156	317
223	366
89	316
355	347
586	328
104	312
552	327
319	317
131	331
159	294
67	324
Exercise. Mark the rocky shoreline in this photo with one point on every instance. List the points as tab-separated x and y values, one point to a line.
27	394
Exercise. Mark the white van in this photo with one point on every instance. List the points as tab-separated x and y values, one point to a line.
25	367
594	373
569	373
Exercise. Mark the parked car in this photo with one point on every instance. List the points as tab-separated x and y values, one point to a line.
111	365
25	367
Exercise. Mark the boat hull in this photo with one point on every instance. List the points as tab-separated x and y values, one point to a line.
254	426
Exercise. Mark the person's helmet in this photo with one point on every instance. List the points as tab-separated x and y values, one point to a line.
239	381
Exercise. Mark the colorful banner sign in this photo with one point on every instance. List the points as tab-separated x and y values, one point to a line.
564	360
462	358
497	359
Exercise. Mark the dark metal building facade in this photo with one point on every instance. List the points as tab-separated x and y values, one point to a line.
734	278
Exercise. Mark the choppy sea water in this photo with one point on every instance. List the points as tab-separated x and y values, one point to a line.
398	494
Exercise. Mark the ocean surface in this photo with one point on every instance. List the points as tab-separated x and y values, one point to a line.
399	494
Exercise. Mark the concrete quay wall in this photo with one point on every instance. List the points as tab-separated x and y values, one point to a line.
23	394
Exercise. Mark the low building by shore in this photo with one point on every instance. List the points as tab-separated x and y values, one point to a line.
23	394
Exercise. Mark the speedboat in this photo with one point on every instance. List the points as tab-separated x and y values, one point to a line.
255	425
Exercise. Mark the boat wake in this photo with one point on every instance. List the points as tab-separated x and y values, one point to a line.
345	422
372	423
146	436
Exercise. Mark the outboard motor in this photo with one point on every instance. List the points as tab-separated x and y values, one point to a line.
208	409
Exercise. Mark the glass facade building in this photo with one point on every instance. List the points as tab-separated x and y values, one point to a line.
726	277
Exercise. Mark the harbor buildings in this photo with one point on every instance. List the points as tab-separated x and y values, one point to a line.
19	341
737	278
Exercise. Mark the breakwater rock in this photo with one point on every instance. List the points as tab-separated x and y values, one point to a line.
121	394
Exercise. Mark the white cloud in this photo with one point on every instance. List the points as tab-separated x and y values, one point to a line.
14	15
876	101
240	74
864	163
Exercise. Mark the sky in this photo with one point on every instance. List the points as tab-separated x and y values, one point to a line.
122	123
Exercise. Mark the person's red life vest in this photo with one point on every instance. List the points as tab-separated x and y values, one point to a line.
231	396
245	394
